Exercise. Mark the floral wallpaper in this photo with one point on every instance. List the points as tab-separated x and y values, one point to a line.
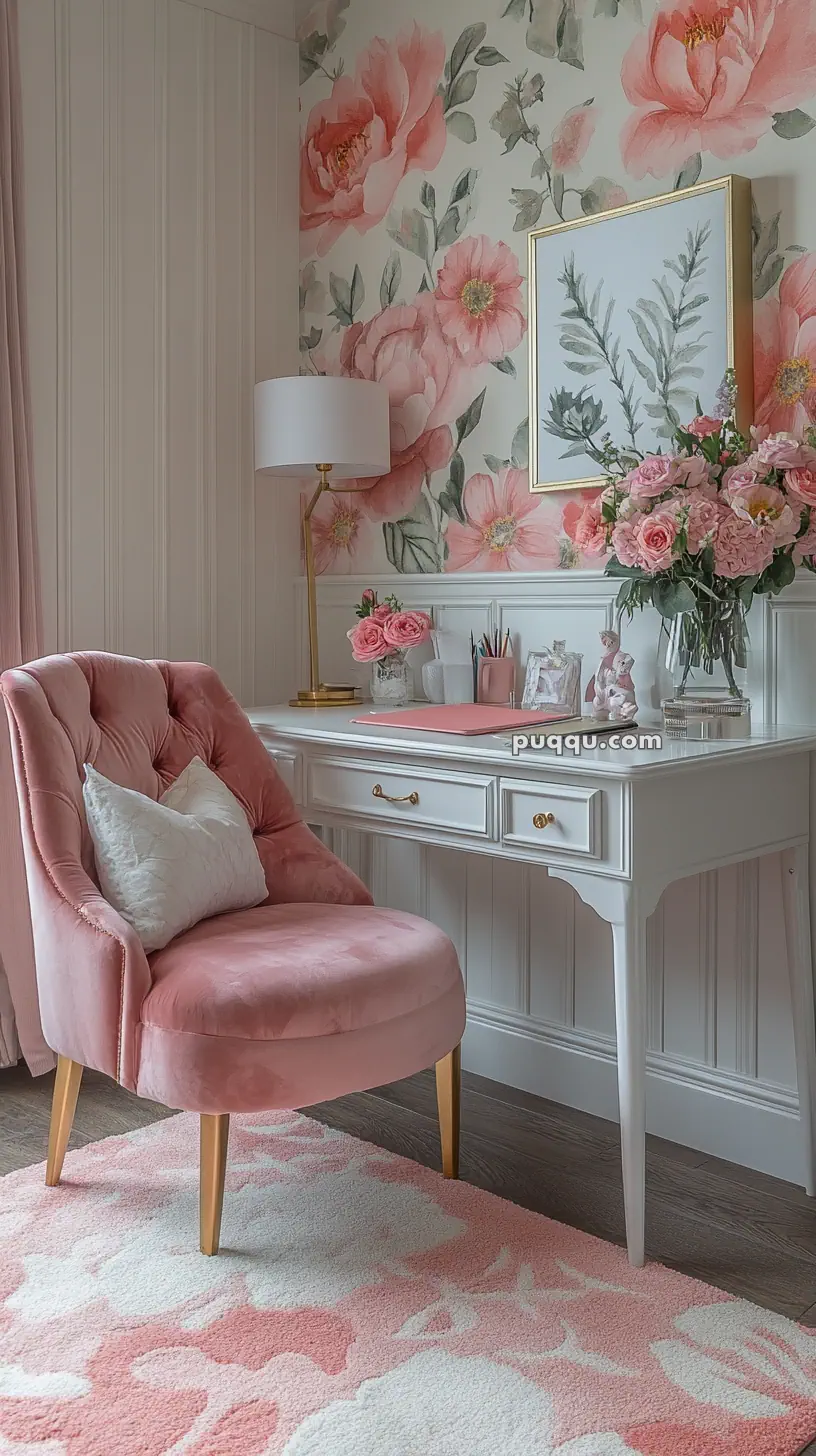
432	143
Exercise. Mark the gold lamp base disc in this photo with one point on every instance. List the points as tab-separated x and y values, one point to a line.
328	695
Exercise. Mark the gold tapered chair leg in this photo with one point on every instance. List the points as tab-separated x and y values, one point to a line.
448	1087
214	1139
63	1106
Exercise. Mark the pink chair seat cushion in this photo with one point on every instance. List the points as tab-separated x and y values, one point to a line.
294	971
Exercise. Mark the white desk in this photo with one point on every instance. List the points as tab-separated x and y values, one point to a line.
625	825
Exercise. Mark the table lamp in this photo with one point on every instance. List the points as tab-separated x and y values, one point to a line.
338	427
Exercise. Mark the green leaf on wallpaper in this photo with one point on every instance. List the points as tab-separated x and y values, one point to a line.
505	366
467	422
462	89
607	7
357	290
528	205
461	124
690	173
792	124
520	448
427	197
769	277
569	36
410	229
412	544
557	191
471	37
450	496
343	296
488	56
494	464
391	279
515	9
449	228
310	340
463	186
312	51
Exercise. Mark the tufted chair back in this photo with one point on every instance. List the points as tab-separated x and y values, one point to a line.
139	723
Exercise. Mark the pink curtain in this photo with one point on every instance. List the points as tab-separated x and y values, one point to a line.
20	622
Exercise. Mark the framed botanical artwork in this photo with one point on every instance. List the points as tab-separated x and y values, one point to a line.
636	313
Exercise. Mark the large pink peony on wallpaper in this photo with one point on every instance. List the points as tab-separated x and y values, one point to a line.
431	146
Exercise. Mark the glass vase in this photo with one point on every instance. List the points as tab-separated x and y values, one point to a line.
706	654
390	681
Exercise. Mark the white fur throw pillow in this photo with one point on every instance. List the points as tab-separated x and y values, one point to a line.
164	866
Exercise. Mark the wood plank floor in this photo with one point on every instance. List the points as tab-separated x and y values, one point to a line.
746	1233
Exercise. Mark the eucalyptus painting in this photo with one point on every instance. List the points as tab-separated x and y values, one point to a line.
635	316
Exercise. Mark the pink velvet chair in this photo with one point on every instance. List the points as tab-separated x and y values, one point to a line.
313	994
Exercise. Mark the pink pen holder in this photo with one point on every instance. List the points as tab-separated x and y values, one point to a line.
497	680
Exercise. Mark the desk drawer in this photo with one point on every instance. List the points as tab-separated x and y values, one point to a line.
458	803
556	818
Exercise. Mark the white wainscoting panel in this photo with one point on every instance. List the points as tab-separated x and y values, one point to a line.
161	195
538	961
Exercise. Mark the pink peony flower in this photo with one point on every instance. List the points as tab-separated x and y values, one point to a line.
766	506
801	482
785	352
590	530
368	641
701	523
608	193
692	471
508	528
709	77
741	548
571	138
339	531
407	629
784	451
404	348
737	478
372	129
478	299
653	476
656	535
703	426
625	541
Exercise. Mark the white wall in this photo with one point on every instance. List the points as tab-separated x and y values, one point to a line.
161	187
539	962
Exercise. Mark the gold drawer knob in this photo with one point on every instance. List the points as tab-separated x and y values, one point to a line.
379	793
543	821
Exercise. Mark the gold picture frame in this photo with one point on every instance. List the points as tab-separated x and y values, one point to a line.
576	329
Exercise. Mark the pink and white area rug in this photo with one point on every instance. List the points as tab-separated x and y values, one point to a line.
361	1306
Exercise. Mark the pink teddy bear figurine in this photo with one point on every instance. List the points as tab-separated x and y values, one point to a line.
620	694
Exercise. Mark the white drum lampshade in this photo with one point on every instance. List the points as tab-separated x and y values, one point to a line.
320	419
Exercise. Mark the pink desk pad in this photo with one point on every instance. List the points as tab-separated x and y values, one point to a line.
465	718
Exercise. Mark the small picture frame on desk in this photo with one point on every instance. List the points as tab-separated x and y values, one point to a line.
553	680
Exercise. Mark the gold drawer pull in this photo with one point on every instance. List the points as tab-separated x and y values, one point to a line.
543	821
379	793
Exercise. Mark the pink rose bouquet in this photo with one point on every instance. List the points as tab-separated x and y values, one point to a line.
384	629
697	531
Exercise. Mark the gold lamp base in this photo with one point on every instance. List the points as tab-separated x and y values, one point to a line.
328	695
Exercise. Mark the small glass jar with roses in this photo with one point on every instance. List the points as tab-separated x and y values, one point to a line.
383	635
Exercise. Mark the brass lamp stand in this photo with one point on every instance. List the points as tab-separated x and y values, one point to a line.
319	694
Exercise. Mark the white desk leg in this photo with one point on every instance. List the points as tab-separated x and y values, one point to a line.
629	945
795	891
625	909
